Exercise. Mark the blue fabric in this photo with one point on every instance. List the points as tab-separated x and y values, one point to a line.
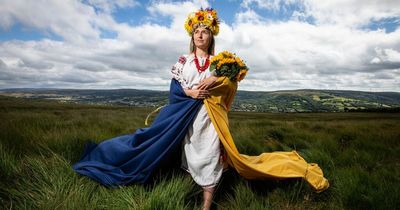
132	158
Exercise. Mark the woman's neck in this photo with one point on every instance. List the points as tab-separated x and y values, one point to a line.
200	52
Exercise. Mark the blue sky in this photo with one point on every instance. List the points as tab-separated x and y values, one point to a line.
288	44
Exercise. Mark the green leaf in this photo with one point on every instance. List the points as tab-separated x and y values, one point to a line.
213	66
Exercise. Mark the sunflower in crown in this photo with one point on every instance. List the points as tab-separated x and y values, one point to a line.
203	17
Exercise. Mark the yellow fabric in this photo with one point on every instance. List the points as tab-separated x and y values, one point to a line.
276	165
146	121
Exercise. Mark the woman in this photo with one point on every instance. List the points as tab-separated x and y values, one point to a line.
201	146
197	116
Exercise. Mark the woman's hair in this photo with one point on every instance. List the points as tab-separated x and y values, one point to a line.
211	47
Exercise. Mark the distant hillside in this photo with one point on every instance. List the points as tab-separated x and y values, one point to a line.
129	97
314	100
274	101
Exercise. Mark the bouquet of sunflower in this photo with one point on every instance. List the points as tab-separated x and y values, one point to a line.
229	65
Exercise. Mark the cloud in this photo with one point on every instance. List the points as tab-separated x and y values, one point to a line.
139	57
73	21
333	52
350	13
274	5
2	64
109	6
388	55
248	16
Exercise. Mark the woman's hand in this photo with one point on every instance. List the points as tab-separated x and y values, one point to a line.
207	82
197	94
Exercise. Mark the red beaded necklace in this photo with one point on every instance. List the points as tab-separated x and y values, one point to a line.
201	68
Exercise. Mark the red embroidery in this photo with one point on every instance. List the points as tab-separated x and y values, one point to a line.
182	60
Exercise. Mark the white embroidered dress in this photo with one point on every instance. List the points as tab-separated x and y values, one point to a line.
201	146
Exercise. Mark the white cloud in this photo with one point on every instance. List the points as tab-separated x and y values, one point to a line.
335	53
248	16
140	56
351	13
110	5
388	55
71	20
274	5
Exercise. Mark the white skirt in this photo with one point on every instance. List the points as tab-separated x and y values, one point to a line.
201	151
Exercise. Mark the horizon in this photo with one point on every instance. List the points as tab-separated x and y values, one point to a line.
132	44
166	90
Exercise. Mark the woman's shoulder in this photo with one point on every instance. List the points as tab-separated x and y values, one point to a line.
184	58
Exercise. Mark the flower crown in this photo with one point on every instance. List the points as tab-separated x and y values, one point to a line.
207	17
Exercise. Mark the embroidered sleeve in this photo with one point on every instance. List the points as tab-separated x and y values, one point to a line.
177	71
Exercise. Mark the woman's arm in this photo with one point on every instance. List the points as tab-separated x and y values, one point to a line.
201	91
197	93
207	82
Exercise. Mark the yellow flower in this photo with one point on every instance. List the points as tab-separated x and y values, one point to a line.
227	54
229	60
240	76
206	17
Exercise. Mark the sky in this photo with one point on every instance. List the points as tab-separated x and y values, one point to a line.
287	44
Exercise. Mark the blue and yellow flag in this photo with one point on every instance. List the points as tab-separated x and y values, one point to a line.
132	158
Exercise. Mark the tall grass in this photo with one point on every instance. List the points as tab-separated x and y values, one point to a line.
39	141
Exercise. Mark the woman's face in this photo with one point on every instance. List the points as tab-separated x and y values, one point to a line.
202	38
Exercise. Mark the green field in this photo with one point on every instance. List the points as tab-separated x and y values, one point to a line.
39	141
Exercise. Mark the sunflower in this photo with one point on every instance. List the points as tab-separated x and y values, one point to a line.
229	65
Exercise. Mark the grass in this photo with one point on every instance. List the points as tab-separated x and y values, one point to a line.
40	140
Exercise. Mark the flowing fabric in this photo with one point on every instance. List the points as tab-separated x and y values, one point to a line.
133	157
276	165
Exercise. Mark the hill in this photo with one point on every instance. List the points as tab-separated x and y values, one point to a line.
306	100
